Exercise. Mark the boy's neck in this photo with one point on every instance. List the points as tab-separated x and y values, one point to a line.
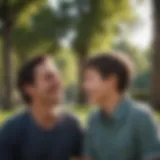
111	103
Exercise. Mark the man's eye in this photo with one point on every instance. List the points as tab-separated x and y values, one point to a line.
49	76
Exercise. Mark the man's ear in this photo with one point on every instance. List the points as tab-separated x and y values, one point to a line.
28	89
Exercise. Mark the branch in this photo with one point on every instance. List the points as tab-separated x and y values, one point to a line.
20	6
4	10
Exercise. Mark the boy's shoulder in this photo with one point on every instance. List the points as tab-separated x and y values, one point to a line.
137	111
94	117
141	110
142	114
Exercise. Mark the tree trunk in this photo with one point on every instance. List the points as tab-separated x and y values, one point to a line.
81	96
155	89
7	57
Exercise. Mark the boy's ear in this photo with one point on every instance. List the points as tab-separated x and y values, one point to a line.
113	79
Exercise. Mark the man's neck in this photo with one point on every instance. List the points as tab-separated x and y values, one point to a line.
44	115
110	104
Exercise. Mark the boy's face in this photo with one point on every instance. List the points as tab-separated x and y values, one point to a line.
47	85
98	89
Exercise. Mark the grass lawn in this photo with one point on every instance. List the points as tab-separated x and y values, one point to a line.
157	117
80	112
4	116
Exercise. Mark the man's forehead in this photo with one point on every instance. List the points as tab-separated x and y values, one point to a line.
47	65
91	71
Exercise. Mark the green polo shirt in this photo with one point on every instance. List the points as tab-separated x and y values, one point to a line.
128	134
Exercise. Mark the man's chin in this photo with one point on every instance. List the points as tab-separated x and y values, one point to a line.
92	101
54	101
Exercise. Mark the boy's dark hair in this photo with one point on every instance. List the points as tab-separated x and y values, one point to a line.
108	64
26	75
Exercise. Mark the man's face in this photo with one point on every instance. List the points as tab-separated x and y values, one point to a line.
96	88
47	84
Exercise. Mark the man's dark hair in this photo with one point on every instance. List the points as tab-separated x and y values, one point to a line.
26	75
111	63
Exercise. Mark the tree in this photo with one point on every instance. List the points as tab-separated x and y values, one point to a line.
155	90
38	38
47	29
97	24
140	60
13	13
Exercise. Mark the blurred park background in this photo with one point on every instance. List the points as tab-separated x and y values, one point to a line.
72	30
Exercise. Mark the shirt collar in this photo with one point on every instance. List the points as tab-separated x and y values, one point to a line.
120	111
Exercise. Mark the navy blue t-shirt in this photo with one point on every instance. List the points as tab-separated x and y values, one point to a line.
22	139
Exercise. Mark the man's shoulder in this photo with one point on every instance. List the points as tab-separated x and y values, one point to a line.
14	122
12	129
69	119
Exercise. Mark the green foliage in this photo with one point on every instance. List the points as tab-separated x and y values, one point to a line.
39	38
142	80
139	58
141	95
71	93
17	12
141	86
98	23
42	36
66	61
22	10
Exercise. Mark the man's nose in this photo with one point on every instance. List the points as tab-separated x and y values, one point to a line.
57	81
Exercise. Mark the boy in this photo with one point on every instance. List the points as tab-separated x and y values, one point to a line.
118	130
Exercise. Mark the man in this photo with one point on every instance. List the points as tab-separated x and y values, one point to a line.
40	133
118	130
